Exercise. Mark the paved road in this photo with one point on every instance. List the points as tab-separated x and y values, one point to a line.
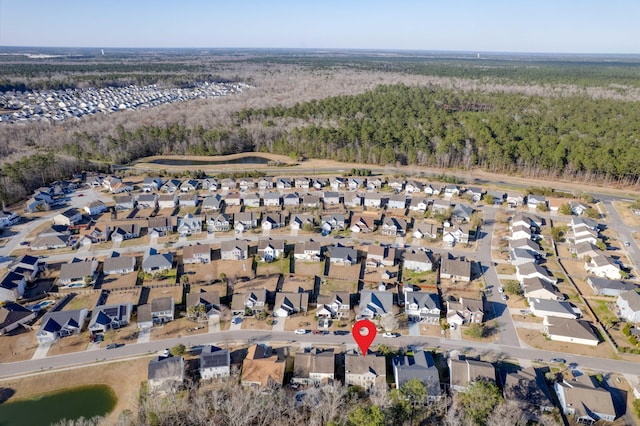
624	231
226	338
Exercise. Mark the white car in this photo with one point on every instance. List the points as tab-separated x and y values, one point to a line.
387	334
500	290
504	297
300	331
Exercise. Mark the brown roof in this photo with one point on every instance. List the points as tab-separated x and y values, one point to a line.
464	372
314	361
262	368
457	267
189	251
571	328
203	297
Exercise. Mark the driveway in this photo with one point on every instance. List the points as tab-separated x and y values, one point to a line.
278	324
144	335
41	351
236	324
455	333
414	329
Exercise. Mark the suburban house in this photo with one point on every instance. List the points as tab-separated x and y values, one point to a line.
361	223
246	220
528	389
553	308
170	186
273	220
13	316
214	362
420	366
196	253
606	287
147	201
118	265
336	305
422	306
310	251
50	242
95	208
344	256
159	311
125	202
393	226
246	184
465	311
298	221
125	232
204	306
533	270
167	201
213	202
570	331
253	300
161	225
528	245
57	324
463	373
397	201
29	266
352	199
583	234
314	366
585	249
584	401
455	269
515	200
110	182
413	186
440	206
457	234
251	199
291	200
210	184
8	218
521	232
498	197
426	230
417	260
189	185
284	183
535	288
331	222
379	256
189	224
232	199
155	262
629	305
461	213
418	204
368	372
310	201
188	200
151	184
265	183
533	201
301	183
270	250
272	199
219	223
234	250
373	200
331	198
431	190
228	184
529	220
76	271
287	304
106	317
338	183
451	191
263	367
603	267
520	256
374	303
165	373
12	286
68	217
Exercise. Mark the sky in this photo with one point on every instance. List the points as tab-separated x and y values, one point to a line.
546	26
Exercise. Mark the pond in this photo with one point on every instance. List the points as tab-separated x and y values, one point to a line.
85	401
252	159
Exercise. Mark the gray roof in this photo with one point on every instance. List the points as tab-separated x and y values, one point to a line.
457	267
553	306
572	328
527	386
118	263
314	361
212	357
423	299
603	283
419	366
165	367
154	261
633	299
76	270
380	302
162	304
11	312
53	322
339	252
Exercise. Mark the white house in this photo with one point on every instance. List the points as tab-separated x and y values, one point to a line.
603	267
214	362
629	305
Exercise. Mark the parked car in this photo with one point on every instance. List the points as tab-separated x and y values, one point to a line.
504	297
165	353
500	290
300	331
114	345
559	360
387	334
341	332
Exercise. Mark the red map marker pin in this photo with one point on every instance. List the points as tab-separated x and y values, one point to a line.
364	331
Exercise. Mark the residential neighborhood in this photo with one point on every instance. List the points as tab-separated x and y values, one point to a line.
134	261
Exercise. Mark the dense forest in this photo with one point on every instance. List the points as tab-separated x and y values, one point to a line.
572	118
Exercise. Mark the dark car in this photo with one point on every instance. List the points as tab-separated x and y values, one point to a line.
340	332
559	360
114	345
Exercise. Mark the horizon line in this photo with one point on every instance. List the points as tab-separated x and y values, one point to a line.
367	49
